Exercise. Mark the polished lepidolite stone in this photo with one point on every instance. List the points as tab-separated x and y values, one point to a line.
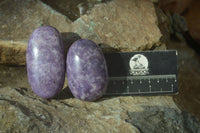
86	70
45	62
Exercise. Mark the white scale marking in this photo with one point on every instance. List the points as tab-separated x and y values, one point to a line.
158	81
150	88
139	92
143	77
131	78
127	88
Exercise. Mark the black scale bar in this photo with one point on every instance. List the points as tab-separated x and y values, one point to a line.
142	73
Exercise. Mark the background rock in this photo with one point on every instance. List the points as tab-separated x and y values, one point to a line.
117	25
167	120
193	19
121	25
18	20
20	17
188	76
73	9
23	111
174	6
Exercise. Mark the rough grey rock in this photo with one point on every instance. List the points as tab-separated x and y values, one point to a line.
23	111
20	17
165	120
18	20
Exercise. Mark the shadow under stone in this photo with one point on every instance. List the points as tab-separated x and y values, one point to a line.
64	94
107	48
68	39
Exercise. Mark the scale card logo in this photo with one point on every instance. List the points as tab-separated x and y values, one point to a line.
139	65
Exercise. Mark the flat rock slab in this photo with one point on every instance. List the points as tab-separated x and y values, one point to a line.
20	18
124	25
118	25
23	111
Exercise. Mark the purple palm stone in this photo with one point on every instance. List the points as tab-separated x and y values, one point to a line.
45	61
86	70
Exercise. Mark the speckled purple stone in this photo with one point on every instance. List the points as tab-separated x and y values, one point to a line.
45	62
86	70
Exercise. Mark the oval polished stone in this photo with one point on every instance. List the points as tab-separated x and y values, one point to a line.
86	70
45	61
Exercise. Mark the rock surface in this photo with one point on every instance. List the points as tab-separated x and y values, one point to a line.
121	25
20	18
193	19
189	92
23	111
118	25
